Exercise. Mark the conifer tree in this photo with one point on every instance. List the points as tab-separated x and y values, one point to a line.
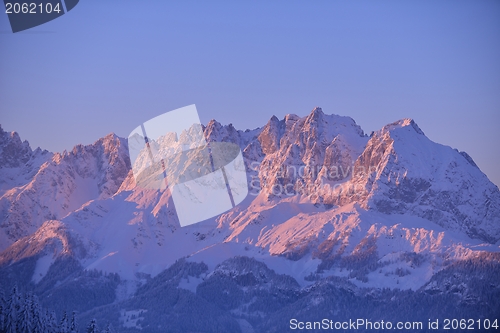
50	322
3	309
25	320
39	320
109	329
2	317
64	325
92	328
13	311
73	326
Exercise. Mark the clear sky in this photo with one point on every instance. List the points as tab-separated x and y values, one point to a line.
109	65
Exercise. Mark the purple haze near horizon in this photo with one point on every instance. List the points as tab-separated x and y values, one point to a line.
108	66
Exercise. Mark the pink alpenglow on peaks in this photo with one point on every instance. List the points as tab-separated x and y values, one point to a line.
170	152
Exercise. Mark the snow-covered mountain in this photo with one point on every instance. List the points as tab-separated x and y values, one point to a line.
50	186
18	162
325	199
419	177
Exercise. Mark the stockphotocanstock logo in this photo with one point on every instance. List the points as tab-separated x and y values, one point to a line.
28	14
204	179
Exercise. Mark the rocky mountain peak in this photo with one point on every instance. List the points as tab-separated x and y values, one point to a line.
270	135
215	132
13	151
316	112
402	123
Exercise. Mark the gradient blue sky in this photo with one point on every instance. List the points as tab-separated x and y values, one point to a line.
109	65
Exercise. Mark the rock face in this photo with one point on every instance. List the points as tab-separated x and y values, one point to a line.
13	152
18	162
322	193
299	152
61	183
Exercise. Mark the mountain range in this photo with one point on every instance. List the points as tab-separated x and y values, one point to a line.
332	213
